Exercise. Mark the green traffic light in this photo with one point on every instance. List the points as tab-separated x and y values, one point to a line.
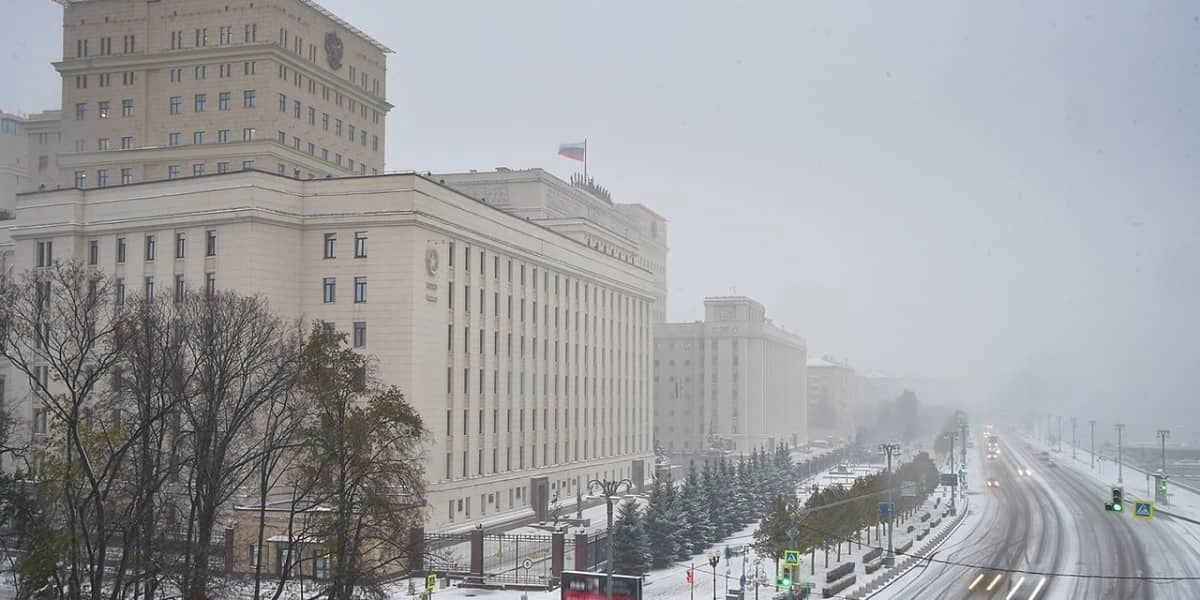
1117	508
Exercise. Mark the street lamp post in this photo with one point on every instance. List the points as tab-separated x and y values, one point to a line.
611	489
1074	445
1059	433
713	559
1120	471
1162	435
950	436
1093	446
890	450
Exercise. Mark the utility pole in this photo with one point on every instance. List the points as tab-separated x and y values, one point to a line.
963	427
1120	472
1049	434
1092	422
1060	433
1074	444
1162	435
890	450
951	437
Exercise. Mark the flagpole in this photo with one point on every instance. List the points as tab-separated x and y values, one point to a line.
585	157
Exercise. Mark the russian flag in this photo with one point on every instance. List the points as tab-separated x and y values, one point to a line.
577	151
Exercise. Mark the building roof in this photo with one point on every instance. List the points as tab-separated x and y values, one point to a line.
311	4
814	361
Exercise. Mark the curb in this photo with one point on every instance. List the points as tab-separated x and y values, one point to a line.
885	579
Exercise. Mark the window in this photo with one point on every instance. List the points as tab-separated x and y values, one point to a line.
151	247
199	102
248	136
210	243
105	46
210	284
201	37
103	108
45	254
80	111
127	107
81	145
121	250
200	72
223	136
247	165
325	121
250	32
176	40
197	137
102	144
176	104
312	116
102	178
360	334
126	176
296	108
105	79
130	44
360	244
197	169
375	143
180	288
173	138
176	75
222	166
180	245
283	103
226	70
330	245
127	142
148	289
80	82
127	78
337	127
360	290
173	172
226	35
296	145
281	137
329	289
80	179
223	101
247	98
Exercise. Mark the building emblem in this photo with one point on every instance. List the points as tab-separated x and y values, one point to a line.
431	261
334	50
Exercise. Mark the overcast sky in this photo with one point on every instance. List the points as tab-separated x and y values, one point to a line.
1000	191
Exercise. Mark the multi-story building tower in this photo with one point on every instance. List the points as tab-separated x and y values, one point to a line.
44	131
834	394
629	232
168	88
733	381
526	352
14	161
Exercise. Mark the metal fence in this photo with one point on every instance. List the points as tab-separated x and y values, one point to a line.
448	553
517	559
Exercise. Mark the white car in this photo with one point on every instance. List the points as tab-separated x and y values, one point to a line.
993	483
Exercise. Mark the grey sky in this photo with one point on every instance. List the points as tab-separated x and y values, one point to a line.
978	190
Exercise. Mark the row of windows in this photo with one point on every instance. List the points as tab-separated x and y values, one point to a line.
105	80
200	37
282	139
329	290
299	112
148	287
44	249
83	45
224	71
570	453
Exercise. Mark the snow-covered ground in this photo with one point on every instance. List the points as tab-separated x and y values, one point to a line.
671	582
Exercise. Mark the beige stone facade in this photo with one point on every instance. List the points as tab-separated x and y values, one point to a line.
172	88
834	396
733	381
527	352
629	232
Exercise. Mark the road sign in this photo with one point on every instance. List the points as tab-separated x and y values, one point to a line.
885	509
431	581
791	558
1143	509
949	479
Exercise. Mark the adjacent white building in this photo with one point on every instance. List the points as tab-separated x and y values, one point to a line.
834	394
528	353
734	381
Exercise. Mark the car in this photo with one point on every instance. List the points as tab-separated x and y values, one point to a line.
993	483
1051	463
1024	471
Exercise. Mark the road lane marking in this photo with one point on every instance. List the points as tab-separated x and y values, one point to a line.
995	580
1014	589
1038	589
975	583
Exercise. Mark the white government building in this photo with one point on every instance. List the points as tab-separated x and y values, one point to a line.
515	310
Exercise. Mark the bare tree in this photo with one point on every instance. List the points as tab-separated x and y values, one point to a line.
244	356
362	455
61	332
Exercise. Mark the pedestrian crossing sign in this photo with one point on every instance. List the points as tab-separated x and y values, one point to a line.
791	558
431	581
1143	509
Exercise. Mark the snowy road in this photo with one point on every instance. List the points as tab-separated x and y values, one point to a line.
1052	526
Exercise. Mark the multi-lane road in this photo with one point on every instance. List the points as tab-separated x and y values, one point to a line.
1046	535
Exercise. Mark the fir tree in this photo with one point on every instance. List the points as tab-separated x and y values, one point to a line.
660	526
696	508
631	551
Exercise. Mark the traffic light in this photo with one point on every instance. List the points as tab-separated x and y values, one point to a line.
689	576
1162	487
1118	503
784	581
